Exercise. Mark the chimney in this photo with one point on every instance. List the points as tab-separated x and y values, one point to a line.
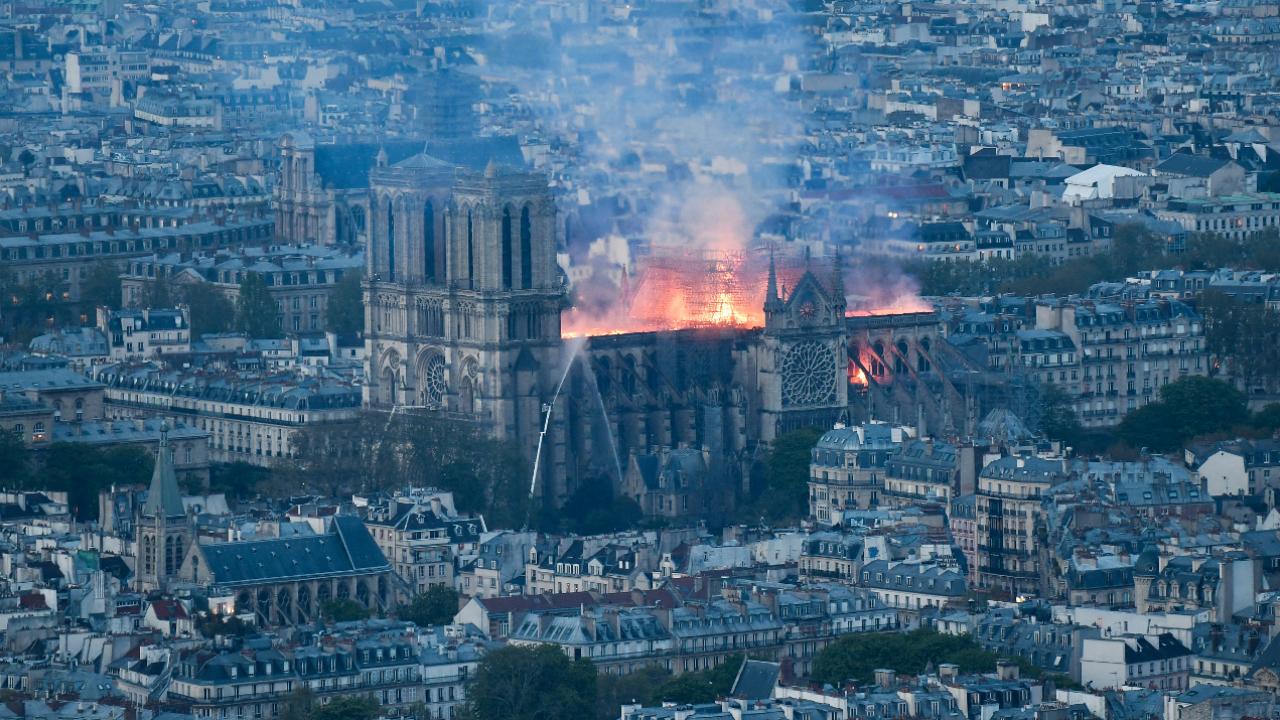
948	672
886	678
1006	670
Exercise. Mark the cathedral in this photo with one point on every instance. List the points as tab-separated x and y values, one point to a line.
463	303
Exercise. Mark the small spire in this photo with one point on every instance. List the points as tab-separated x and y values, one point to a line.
771	291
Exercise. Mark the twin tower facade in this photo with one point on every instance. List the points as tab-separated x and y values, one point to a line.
463	294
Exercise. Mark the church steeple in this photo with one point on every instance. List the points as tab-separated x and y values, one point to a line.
164	530
164	499
771	299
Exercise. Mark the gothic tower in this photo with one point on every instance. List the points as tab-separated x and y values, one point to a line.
803	354
464	295
163	531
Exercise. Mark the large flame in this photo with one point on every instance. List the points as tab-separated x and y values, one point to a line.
688	288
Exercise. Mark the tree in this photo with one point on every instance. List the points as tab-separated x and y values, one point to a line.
1242	337
436	606
347	707
785	493
1057	416
704	685
256	310
26	158
856	657
237	480
82	471
1267	420
343	610
15	460
211	311
345	311
594	509
531	683
213	625
300	705
1187	408
160	292
101	285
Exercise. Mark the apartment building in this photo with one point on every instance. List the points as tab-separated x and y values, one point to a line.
254	420
1011	519
1126	352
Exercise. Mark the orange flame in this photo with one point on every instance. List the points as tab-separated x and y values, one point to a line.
681	289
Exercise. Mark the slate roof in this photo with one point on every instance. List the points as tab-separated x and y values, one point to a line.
1191	165
1140	649
347	549
164	499
756	680
347	166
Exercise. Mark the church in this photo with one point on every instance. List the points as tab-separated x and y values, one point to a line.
463	302
282	580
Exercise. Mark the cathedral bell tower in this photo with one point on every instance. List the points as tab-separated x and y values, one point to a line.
804	355
163	530
464	294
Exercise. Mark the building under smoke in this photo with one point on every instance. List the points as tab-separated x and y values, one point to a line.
715	352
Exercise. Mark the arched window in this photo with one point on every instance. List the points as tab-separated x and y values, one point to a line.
391	240
526	248
429	241
507	255
471	251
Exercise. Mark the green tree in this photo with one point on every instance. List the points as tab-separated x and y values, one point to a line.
82	471
213	625
702	686
211	311
857	656
345	311
1187	408
785	493
1057	416
237	480
641	686
256	309
15	461
593	509
343	610
300	705
436	606
1267	420
101	286
347	707
531	683
160	292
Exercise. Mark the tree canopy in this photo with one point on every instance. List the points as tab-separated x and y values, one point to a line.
486	475
436	606
782	493
1186	409
101	286
532	683
83	470
343	610
256	311
345	311
211	311
856	657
